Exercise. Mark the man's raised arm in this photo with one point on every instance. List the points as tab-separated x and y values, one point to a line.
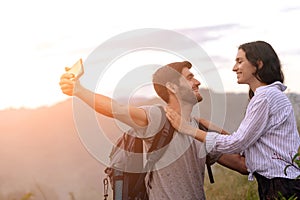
131	115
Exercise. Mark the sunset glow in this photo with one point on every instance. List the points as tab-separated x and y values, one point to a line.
38	42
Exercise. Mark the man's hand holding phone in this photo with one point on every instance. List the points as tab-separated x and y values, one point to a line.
77	69
69	79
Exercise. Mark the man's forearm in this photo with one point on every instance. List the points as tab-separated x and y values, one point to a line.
235	162
100	103
130	115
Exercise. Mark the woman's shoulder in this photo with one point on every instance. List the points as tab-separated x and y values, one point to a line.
274	95
273	90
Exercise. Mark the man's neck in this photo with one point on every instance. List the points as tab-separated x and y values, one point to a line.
182	108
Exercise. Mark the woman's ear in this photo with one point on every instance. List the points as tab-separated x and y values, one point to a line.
171	87
260	64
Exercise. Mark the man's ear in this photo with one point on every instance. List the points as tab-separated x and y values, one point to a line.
171	87
260	64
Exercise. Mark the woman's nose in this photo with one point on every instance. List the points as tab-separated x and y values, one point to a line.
235	68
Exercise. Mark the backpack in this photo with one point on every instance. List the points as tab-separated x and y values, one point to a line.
127	154
131	185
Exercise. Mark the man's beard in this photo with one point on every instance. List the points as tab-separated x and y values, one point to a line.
188	95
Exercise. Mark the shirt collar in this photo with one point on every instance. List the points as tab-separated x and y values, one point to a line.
276	84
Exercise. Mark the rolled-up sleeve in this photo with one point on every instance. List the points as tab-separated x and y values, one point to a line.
210	141
250	130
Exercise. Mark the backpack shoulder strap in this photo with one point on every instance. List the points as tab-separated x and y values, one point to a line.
156	151
159	145
208	166
162	138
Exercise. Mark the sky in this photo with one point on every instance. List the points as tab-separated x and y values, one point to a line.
39	38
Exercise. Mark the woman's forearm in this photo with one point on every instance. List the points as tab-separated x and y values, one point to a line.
213	127
200	135
192	131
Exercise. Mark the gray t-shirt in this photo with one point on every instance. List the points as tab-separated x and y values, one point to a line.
179	174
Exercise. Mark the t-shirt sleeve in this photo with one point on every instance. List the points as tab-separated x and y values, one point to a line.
156	121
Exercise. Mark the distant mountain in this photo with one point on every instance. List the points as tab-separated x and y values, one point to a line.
295	99
41	152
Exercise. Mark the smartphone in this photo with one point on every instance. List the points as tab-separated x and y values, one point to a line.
77	69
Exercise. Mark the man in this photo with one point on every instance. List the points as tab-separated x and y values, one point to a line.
179	173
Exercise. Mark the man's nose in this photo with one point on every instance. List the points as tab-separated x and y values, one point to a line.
196	82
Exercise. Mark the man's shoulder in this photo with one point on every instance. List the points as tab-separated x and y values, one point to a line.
156	117
156	109
161	106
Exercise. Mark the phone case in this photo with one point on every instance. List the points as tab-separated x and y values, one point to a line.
77	69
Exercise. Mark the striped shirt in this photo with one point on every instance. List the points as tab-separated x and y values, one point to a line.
268	134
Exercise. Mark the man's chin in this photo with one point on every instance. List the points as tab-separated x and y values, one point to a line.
200	99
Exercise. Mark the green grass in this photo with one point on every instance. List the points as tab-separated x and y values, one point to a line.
229	185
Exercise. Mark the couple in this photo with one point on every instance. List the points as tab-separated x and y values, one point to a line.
269	127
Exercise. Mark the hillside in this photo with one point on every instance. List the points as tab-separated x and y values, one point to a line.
42	153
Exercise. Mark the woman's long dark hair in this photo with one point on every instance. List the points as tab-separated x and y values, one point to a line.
262	51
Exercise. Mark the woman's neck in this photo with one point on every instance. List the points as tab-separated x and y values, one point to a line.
256	85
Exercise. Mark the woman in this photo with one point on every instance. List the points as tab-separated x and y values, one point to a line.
268	134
